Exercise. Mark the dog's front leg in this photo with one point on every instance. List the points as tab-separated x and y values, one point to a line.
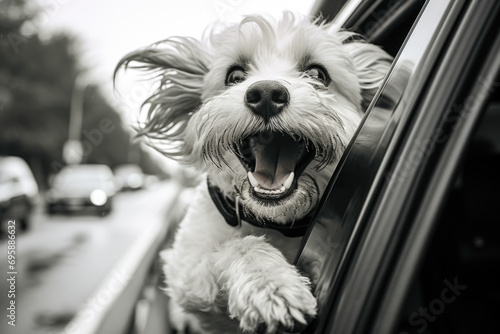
264	291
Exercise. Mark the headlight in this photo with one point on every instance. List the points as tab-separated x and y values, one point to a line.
134	180
98	197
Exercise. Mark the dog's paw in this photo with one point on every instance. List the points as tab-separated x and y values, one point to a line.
270	306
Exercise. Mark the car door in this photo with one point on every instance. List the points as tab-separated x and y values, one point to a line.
371	231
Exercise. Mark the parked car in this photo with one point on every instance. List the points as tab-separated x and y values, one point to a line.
129	177
18	191
82	187
407	238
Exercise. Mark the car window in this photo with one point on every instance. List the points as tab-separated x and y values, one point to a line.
9	169
386	22
342	238
328	243
440	184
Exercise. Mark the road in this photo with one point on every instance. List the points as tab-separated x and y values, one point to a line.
62	259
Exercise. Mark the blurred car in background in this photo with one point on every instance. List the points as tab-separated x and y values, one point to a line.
18	191
129	177
82	187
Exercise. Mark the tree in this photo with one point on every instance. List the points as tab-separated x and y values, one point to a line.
36	83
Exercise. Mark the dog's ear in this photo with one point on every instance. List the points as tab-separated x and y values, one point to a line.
371	64
180	64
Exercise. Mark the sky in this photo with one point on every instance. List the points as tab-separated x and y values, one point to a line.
106	30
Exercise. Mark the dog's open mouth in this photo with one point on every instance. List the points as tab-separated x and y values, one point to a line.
274	162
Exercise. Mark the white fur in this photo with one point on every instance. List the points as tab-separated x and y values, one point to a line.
220	278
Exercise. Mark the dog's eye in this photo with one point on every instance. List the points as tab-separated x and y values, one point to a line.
317	73
235	76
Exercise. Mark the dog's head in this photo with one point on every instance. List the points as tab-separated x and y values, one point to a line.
265	107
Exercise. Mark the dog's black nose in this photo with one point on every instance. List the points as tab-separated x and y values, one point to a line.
266	98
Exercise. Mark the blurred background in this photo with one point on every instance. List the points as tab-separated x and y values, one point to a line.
92	206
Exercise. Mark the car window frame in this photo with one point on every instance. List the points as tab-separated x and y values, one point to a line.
385	120
444	171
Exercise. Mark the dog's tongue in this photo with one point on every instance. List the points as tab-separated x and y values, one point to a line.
276	156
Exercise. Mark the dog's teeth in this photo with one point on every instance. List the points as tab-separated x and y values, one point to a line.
260	190
253	180
288	183
276	191
269	191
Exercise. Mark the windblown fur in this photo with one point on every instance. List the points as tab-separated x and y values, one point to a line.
219	277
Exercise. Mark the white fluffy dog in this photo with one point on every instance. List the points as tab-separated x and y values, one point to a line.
265	109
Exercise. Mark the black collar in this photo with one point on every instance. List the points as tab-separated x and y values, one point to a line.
232	212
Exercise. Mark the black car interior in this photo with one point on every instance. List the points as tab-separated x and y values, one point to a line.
383	22
465	249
